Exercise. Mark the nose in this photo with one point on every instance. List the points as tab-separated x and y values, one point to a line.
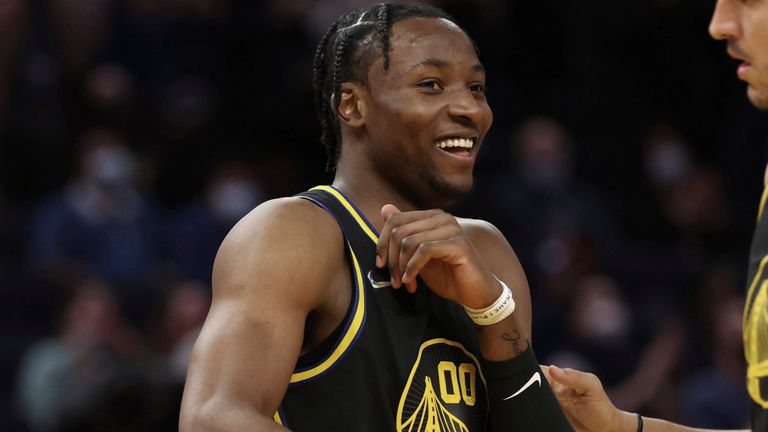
725	21
467	107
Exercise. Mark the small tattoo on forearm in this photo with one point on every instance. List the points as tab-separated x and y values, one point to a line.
515	338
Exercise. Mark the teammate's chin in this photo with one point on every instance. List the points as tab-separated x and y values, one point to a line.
758	96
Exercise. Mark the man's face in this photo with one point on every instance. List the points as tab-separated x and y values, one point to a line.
744	24
428	113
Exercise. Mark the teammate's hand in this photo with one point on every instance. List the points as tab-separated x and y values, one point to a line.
431	244
585	403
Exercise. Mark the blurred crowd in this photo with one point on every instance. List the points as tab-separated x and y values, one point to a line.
624	167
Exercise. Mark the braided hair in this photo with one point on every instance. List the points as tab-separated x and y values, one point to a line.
346	52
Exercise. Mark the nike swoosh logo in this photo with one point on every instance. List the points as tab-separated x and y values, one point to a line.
536	378
378	284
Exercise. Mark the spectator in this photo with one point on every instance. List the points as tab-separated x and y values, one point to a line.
100	224
64	373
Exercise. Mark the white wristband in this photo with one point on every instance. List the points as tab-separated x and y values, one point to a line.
500	309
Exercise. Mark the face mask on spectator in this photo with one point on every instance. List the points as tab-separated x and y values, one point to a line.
110	166
231	199
667	163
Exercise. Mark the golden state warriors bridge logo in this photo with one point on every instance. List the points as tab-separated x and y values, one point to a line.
756	336
445	391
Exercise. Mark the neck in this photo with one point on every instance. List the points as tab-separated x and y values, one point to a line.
370	189
370	194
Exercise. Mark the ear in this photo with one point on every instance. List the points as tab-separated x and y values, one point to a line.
353	108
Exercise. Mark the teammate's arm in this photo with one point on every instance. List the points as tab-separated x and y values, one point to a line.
588	408
271	271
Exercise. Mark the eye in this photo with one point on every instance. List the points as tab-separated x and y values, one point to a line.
477	88
430	84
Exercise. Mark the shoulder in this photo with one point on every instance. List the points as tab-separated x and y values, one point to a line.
287	219
282	244
483	233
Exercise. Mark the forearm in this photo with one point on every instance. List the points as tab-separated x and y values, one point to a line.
657	425
502	341
630	424
520	398
502	331
224	419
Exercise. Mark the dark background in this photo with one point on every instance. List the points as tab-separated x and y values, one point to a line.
624	166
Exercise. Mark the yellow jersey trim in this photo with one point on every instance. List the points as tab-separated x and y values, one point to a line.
352	332
753	315
278	420
751	291
762	204
351	209
424	346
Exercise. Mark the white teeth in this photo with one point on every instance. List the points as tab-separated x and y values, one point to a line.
456	142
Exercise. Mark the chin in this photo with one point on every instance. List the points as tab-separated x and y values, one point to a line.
759	98
450	192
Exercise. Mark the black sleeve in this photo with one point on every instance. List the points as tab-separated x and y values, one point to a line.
520	398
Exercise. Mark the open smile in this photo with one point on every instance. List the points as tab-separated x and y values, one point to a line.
461	148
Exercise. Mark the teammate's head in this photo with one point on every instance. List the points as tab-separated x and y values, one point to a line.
346	52
744	25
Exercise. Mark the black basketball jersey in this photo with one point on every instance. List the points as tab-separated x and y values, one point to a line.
397	362
756	322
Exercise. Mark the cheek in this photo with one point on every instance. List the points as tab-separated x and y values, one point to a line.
411	119
489	117
759	41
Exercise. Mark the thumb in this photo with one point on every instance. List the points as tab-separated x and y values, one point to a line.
388	210
581	382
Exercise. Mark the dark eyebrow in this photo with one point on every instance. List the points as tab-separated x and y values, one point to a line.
441	64
431	62
478	67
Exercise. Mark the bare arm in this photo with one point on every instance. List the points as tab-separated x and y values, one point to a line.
458	261
461	262
271	271
588	408
511	336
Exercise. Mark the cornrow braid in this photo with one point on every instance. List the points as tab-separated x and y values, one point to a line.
321	106
338	78
346	52
383	28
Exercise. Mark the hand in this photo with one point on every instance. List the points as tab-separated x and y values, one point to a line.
432	244
585	403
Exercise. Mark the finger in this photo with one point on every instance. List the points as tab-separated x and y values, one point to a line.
388	210
381	247
393	256
392	219
580	382
446	250
414	234
403	242
557	388
398	226
545	371
412	286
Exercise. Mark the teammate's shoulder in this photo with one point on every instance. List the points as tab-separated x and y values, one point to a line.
765	176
